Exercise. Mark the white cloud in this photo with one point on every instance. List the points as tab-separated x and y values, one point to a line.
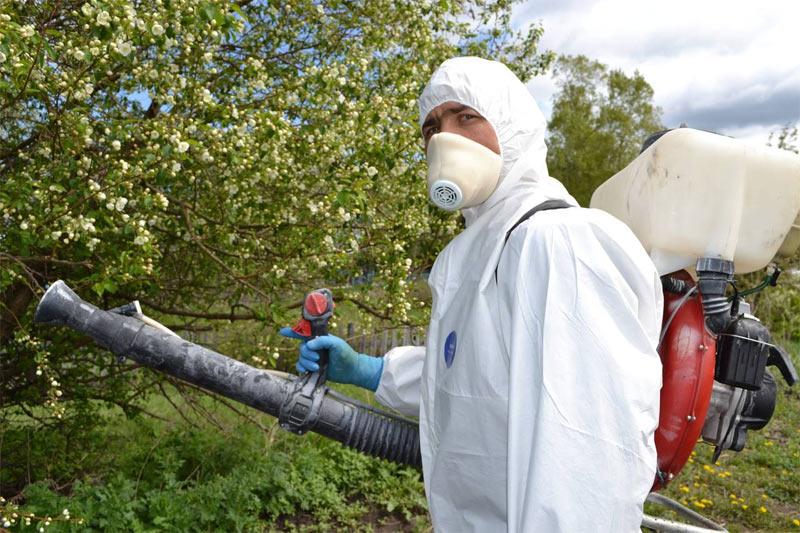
731	66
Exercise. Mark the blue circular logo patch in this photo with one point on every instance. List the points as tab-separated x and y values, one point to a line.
450	348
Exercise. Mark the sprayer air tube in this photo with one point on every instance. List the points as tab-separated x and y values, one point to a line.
366	431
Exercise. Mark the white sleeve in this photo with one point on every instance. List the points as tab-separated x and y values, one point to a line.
399	385
580	311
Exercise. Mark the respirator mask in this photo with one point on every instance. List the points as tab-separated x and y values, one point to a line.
461	172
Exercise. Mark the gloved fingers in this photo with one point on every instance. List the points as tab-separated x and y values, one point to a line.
289	332
308	359
307	353
325	342
304	365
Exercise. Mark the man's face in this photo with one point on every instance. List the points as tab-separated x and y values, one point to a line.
453	117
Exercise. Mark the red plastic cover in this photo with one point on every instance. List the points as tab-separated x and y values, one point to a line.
688	352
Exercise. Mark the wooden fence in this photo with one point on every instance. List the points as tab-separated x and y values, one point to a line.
381	342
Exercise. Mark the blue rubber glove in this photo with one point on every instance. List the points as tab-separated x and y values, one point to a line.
345	365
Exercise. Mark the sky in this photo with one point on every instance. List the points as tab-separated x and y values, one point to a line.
727	66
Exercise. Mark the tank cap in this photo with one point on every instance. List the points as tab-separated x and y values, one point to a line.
715	264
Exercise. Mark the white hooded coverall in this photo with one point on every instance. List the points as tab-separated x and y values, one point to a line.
538	391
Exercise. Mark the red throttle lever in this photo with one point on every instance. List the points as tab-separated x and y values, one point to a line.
317	312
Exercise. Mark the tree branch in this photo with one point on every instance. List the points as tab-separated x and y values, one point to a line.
194	314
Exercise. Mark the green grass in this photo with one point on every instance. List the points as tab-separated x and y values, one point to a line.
145	474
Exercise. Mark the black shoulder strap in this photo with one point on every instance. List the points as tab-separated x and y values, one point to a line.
544	206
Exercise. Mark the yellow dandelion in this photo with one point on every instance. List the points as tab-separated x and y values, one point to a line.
744	507
769	443
763	496
733	495
796	522
684	488
699	505
762	509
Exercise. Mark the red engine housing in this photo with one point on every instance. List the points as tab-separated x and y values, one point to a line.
688	352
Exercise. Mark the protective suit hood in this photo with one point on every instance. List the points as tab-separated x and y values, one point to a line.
496	93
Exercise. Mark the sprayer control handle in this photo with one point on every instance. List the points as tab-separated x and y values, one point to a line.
318	310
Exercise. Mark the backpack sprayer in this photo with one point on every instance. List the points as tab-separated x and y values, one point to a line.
714	352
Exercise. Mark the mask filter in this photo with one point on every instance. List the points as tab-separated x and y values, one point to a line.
461	172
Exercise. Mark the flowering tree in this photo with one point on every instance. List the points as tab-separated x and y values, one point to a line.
215	160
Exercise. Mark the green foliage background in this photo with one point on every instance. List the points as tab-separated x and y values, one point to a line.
216	160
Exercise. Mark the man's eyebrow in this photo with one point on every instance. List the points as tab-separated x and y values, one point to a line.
451	111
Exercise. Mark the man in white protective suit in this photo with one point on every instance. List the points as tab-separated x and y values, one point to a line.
538	390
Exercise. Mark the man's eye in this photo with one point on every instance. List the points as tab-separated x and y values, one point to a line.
468	116
430	132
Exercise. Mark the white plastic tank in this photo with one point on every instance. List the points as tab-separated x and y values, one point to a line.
695	194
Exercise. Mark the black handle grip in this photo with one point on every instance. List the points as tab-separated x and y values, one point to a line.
320	327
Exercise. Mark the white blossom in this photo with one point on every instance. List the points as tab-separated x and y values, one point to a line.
182	147
27	31
124	47
103	18
157	29
121	203
116	145
2	57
